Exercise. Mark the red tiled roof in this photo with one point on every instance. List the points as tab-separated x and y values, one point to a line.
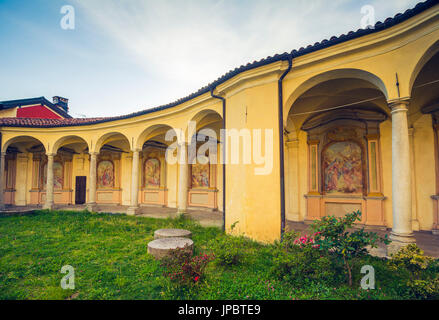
47	123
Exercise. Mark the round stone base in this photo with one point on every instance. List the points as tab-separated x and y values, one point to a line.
172	233
161	248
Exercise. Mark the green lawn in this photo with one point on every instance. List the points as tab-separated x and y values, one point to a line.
109	255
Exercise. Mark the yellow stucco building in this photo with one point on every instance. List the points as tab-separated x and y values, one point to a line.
354	126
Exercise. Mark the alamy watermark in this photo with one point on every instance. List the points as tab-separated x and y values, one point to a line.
68	281
243	146
368	19
68	20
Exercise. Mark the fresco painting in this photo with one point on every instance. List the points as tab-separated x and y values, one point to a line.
342	167
57	175
152	173
200	175
105	174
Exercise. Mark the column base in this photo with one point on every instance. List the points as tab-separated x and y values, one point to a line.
92	207
182	211
132	211
48	206
435	232
399	241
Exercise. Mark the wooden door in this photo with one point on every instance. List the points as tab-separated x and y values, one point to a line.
80	190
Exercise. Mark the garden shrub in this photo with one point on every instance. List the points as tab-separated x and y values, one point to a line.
422	285
302	265
299	261
228	250
183	269
412	258
332	235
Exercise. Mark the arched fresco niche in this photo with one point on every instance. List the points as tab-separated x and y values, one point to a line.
344	164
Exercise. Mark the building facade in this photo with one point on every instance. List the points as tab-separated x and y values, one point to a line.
354	123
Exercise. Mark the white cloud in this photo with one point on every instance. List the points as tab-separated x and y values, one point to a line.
187	44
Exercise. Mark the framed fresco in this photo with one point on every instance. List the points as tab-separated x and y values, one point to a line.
58	175
200	175
105	174
152	173
343	168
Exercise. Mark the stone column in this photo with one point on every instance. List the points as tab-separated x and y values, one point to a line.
183	177
49	184
91	205
2	180
132	210
402	232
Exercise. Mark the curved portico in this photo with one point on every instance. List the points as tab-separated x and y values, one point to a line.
360	132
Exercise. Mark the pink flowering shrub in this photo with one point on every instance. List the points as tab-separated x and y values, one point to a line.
183	269
299	261
306	241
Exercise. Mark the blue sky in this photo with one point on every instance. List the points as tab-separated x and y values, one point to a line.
128	55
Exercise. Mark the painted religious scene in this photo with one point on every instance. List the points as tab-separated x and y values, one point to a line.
342	167
57	175
200	175
105	174
152	173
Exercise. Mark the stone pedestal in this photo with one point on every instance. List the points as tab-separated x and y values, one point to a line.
172	233
162	247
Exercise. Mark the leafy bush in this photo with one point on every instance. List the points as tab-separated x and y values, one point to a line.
421	284
183	269
299	261
425	289
332	235
228	250
412	258
303	265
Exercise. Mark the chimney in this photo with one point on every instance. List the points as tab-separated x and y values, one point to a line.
61	102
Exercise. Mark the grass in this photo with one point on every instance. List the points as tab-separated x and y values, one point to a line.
109	256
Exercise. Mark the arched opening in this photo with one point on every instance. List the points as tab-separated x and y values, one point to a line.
22	171
205	169
112	163
424	133
333	148
70	171
158	178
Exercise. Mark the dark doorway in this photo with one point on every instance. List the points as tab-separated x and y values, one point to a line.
81	183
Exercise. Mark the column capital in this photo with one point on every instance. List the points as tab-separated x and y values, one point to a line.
50	154
93	153
400	104
136	150
3	154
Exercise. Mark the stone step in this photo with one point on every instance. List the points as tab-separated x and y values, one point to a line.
172	233
161	248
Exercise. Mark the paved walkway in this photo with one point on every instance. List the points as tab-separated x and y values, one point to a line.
424	239
207	218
